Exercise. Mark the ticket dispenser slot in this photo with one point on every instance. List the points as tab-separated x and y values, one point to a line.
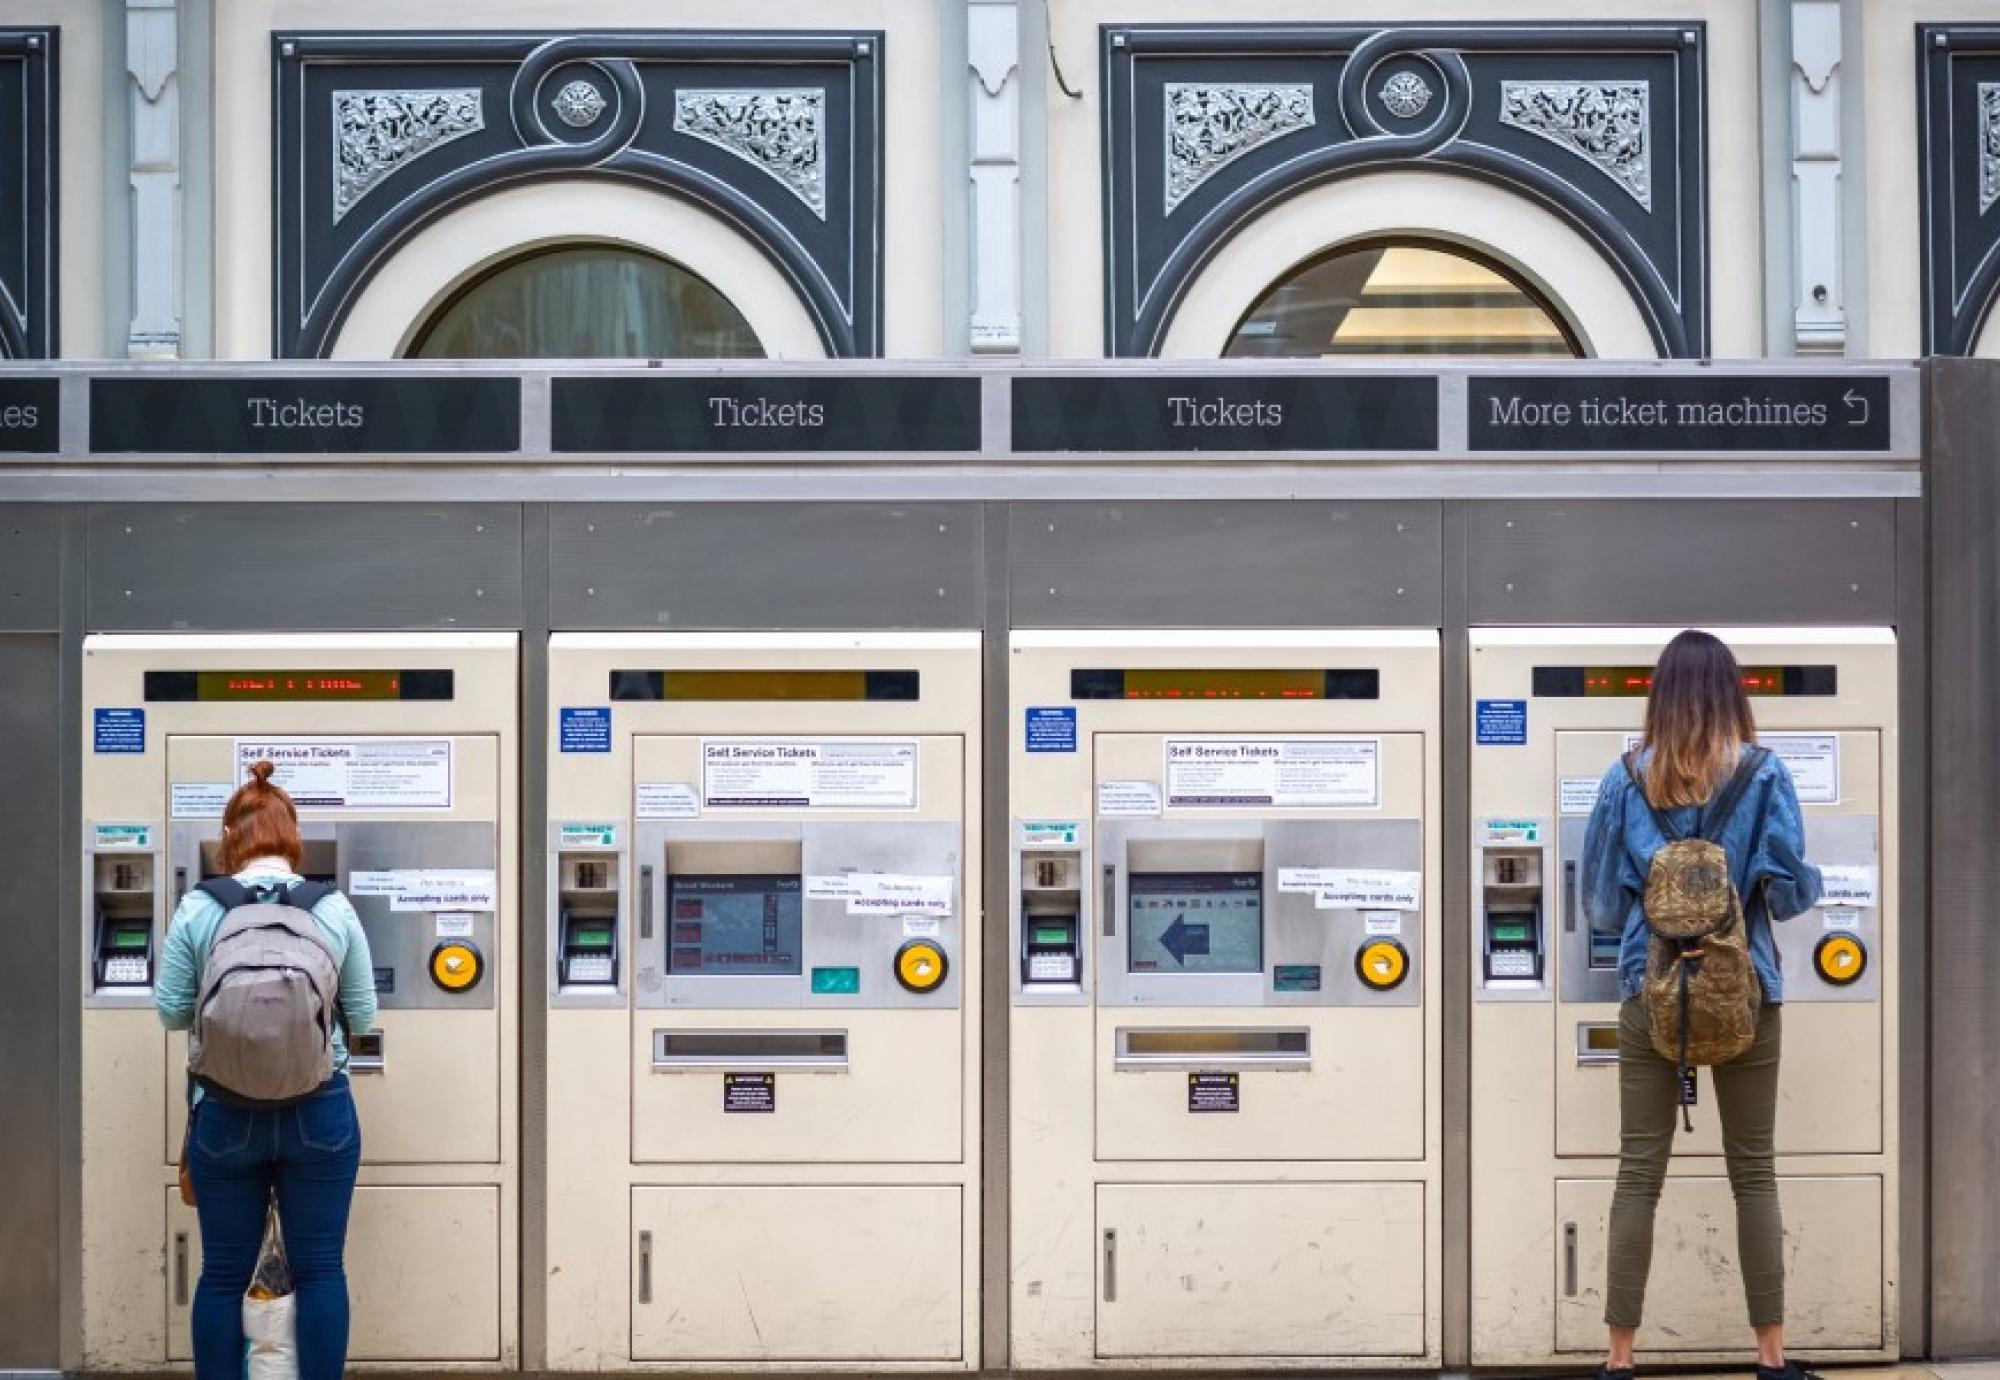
122	951
1512	944
588	901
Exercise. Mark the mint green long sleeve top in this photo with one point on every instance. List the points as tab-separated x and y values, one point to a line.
177	984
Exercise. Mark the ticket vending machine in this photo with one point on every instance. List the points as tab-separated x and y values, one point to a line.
763	1050
1554	710
1224	1129
399	751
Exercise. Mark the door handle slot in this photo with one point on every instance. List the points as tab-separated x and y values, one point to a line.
1111	1265
645	1267
1569	1260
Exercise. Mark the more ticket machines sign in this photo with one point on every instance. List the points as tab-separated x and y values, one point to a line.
1115	412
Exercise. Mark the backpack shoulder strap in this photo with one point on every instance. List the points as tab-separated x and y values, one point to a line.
1723	807
1660	820
226	892
306	895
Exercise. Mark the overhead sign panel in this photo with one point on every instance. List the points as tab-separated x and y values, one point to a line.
766	414
1708	412
1273	413
28	417
306	414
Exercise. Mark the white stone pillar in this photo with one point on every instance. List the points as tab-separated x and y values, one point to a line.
993	54
152	63
1819	313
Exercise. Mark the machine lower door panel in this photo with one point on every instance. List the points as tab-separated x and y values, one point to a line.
435	1099
1694	1299
894	1096
1829	1087
1356	1094
1249	1270
423	1274
779	1273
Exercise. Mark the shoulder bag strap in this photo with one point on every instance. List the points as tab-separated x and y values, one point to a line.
226	892
1715	818
1660	820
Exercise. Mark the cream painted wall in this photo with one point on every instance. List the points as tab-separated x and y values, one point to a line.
912	155
1895	217
1076	259
81	68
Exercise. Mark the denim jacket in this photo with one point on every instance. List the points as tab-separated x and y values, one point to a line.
1765	841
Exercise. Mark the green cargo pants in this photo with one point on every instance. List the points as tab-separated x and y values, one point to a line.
1746	1095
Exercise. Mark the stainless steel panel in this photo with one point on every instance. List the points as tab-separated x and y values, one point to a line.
1296	931
829	935
231	566
30	568
31	999
1538	564
1457	950
1224	564
536	920
765	565
1913	927
399	941
1964	1012
995	1012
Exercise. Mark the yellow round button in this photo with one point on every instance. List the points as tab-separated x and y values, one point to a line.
1382	964
457	966
920	966
1840	959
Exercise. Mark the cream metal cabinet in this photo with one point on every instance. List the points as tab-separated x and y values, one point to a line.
1554	710
399	750
763	1051
1224	1125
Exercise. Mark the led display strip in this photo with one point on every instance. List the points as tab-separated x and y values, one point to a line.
1636	682
1225	683
296	686
743	686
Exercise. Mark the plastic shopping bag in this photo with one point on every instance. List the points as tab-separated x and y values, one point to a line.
270	1335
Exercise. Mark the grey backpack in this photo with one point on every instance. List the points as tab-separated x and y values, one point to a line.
269	999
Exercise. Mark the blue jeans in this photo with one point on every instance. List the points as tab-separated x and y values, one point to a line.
308	1154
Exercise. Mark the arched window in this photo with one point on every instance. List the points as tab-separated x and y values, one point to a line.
587	302
1401	298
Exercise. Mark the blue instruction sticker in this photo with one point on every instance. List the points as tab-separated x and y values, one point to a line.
1052	728
585	730
1502	723
119	730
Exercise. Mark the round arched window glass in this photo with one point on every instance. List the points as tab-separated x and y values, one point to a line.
588	302
1401	299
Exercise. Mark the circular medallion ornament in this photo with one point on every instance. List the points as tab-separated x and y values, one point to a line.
1406	95
579	104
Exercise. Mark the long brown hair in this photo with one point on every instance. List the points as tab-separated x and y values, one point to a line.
260	821
1697	720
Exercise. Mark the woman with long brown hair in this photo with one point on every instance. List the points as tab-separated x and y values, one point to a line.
1699	734
244	1151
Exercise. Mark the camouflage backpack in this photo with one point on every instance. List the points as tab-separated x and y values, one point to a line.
1701	993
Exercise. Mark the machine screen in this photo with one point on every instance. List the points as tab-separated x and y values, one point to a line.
1510	931
1636	682
1225	683
1196	922
744	925
296	686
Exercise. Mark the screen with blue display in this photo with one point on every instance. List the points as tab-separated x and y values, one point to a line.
1196	922
736	925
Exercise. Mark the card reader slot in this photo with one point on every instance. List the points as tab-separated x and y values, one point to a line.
1211	1047
690	1050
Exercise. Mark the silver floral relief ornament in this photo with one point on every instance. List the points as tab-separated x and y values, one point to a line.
377	132
579	104
1406	95
1210	127
1989	144
1607	123
781	132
